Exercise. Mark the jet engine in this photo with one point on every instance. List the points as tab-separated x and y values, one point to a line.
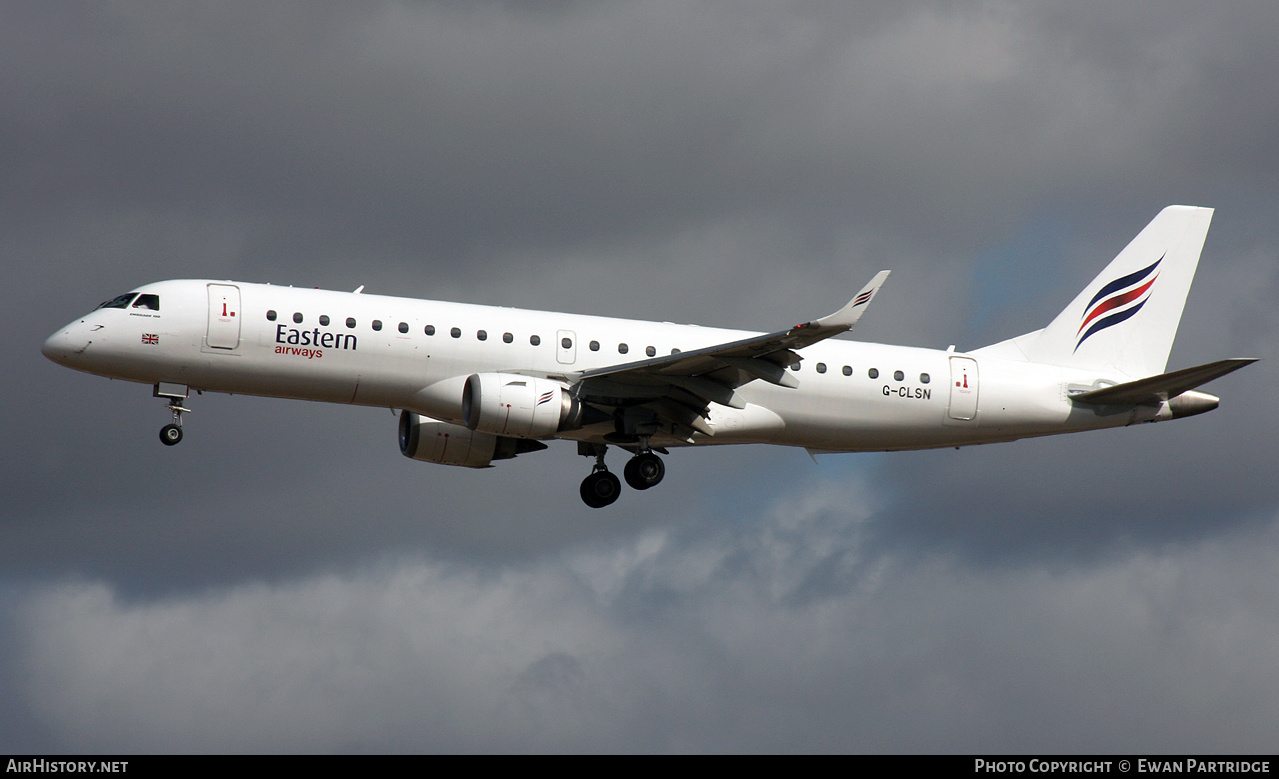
507	404
423	438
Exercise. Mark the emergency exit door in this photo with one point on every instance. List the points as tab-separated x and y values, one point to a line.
565	347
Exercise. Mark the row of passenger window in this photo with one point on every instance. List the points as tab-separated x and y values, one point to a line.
872	373
567	343
456	332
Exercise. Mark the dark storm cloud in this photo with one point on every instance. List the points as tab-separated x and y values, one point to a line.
727	164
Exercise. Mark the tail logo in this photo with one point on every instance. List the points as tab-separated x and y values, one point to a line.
1117	302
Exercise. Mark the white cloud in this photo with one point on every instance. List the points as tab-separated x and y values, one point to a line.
783	632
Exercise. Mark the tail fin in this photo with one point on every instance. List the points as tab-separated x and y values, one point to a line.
1126	318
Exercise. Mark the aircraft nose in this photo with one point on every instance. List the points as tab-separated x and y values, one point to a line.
56	347
65	345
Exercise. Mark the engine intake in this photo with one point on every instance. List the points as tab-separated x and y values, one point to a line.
422	438
507	404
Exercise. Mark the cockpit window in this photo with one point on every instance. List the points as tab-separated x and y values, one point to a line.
149	302
120	302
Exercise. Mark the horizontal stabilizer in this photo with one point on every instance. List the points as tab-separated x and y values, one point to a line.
1162	387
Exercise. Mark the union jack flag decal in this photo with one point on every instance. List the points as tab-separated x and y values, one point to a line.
150	338
1117	302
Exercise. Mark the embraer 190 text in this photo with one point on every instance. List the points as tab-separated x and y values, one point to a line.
475	384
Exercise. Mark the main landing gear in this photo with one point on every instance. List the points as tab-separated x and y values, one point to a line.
602	487
644	470
171	434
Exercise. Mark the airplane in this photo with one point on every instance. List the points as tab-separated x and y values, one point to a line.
477	384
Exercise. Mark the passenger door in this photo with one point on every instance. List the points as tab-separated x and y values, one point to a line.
963	388
224	317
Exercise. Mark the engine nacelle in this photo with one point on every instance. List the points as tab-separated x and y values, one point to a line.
507	404
423	438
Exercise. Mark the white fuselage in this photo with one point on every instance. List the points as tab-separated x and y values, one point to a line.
412	354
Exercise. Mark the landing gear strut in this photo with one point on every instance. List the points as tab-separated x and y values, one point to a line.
171	434
602	487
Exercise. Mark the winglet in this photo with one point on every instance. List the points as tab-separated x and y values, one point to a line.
847	316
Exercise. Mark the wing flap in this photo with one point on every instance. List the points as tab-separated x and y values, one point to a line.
767	370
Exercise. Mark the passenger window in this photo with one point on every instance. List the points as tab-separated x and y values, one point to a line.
674	351
623	348
149	302
795	367
270	316
350	321
595	346
482	335
455	332
377	324
324	320
536	340
898	375
821	367
924	378
650	351
507	338
404	327
873	373
430	330
848	370
297	317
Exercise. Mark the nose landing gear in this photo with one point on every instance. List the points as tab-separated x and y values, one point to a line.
171	433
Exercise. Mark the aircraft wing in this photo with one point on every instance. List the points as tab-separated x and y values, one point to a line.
681	385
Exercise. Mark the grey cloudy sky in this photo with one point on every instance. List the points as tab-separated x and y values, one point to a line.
286	581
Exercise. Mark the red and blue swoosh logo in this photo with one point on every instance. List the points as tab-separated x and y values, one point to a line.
1117	302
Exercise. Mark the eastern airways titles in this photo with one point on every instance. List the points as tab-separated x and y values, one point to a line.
287	335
